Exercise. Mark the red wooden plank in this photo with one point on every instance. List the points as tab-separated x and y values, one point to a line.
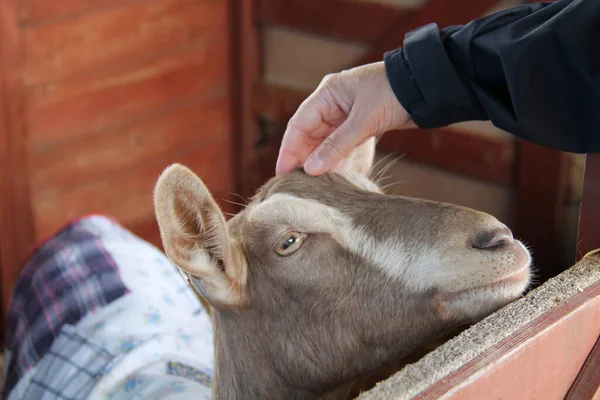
539	361
589	217
98	156
356	21
6	253
6	249
118	36
475	155
94	102
542	187
128	196
16	229
442	12
587	383
245	76
35	11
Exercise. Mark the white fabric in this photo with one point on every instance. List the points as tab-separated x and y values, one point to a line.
160	322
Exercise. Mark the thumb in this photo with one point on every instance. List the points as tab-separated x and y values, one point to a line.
336	147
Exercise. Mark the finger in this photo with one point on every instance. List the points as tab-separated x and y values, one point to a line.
293	155
305	130
337	146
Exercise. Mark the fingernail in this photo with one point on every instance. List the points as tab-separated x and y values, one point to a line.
314	166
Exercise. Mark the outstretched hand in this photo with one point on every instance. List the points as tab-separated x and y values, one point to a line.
346	109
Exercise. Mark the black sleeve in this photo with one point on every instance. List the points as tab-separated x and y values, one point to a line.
533	71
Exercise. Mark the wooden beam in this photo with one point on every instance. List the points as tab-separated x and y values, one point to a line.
477	156
442	12
589	214
68	47
86	159
35	11
6	242
587	383
97	100
245	61
474	155
16	229
356	21
132	202
542	188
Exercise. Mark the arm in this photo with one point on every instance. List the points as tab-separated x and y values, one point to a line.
533	70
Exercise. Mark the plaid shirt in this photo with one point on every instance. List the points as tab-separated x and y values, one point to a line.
81	364
67	277
99	313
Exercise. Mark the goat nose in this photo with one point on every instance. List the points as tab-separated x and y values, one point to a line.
492	239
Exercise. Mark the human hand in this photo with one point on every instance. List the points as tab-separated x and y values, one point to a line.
345	110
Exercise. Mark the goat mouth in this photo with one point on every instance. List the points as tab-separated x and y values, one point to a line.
519	278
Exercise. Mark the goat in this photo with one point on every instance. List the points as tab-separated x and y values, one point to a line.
321	280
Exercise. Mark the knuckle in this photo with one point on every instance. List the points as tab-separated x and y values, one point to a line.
330	79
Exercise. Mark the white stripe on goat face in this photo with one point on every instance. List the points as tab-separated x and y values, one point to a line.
415	267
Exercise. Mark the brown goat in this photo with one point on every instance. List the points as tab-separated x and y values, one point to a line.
319	281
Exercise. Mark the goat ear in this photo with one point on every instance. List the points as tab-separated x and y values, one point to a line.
195	236
360	159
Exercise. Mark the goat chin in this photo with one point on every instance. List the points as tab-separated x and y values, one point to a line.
478	302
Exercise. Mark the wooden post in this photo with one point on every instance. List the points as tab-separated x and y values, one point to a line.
542	187
245	63
587	383
442	12
356	21
16	222
588	237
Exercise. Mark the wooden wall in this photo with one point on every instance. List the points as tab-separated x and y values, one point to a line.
97	98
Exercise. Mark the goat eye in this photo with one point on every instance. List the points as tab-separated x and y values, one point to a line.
290	243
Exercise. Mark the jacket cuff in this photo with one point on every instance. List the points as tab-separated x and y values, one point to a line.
426	83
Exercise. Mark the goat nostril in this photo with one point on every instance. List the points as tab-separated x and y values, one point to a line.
492	239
